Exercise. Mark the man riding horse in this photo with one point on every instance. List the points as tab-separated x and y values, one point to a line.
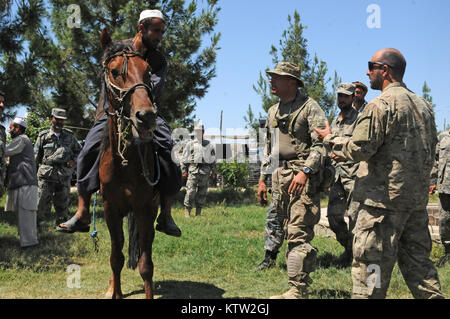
150	32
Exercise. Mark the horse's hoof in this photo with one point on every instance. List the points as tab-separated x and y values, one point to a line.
110	295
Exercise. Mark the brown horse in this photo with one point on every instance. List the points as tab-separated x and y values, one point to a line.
127	164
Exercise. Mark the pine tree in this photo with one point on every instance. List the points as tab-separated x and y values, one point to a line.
426	94
59	62
251	120
16	64
292	47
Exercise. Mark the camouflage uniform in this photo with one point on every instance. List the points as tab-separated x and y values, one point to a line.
274	231
198	161
361	109
394	146
52	154
341	192
440	176
298	149
2	156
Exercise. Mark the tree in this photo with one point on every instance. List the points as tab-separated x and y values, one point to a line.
61	61
16	64
426	94
251	120
292	47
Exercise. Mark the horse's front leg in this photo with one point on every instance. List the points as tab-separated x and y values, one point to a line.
146	219
115	225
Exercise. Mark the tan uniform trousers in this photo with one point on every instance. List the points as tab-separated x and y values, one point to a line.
300	214
383	237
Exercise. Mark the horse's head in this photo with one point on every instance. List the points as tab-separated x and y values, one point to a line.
127	79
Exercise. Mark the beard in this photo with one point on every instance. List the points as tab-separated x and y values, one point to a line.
146	41
377	82
57	126
345	107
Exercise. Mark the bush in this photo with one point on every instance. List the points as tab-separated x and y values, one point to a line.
234	175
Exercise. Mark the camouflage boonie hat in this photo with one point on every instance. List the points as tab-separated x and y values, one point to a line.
289	69
346	88
59	114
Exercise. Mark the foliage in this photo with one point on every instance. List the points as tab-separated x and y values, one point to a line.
35	125
251	120
426	94
47	62
234	174
292	47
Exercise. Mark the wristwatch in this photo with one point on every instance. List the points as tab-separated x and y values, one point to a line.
306	170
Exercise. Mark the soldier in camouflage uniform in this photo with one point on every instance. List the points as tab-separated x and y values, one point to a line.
198	164
56	151
296	180
2	146
440	181
359	103
341	192
394	140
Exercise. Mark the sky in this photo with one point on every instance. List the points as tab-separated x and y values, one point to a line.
338	32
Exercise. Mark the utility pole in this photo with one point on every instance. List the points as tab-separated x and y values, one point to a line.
221	114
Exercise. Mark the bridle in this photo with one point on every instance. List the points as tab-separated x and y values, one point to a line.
123	93
123	120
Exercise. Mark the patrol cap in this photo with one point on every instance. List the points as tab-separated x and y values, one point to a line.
151	14
360	85
20	121
346	88
59	114
289	69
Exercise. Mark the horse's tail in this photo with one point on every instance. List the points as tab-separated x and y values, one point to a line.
134	251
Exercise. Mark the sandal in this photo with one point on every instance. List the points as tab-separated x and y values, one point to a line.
73	225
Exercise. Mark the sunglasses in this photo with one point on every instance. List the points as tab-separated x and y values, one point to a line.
372	65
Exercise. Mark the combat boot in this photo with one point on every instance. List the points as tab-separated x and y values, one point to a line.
345	260
187	212
446	258
295	292
268	262
198	211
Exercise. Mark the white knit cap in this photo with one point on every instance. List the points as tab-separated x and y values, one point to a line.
20	121
151	14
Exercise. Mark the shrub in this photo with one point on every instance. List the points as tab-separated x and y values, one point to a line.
234	175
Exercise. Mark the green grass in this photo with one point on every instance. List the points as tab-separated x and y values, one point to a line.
214	258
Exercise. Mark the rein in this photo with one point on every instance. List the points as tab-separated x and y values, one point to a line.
124	123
